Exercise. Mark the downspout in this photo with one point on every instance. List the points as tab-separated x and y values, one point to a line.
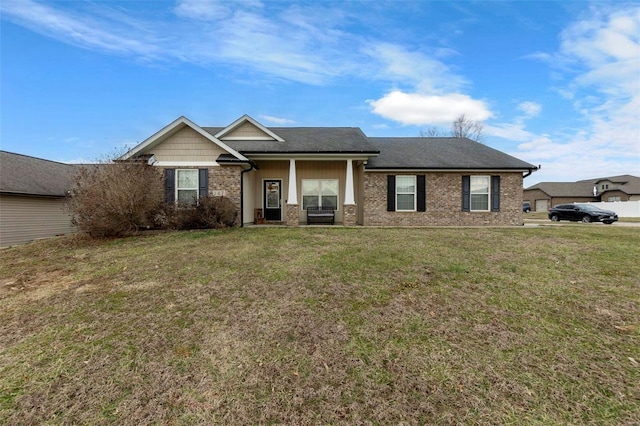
252	166
531	171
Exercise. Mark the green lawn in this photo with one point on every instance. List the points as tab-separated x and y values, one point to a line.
324	325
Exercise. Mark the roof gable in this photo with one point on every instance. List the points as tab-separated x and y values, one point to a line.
247	129
171	129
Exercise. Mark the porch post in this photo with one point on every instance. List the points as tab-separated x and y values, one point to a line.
349	197
292	211
349	215
292	197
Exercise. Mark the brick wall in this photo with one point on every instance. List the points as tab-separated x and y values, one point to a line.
227	180
349	215
443	201
293	214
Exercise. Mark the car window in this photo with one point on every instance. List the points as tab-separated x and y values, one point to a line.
588	207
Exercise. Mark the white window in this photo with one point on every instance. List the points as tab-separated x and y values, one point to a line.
614	198
406	193
187	186
480	193
320	193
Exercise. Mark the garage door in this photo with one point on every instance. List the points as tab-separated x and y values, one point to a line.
542	205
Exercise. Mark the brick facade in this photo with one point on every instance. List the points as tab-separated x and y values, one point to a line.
443	202
349	215
226	180
293	214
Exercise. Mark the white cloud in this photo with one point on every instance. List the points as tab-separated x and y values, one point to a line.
418	109
202	9
277	120
83	30
426	74
236	33
530	109
509	131
601	51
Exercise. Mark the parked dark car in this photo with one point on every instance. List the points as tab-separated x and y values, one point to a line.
582	212
526	207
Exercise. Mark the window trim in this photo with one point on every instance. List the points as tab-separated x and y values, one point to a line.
302	194
415	193
488	193
196	188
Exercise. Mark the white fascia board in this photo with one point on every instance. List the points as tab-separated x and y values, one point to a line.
309	157
483	171
186	164
172	127
245	118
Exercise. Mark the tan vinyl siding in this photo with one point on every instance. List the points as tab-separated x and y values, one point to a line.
246	130
322	170
187	145
23	219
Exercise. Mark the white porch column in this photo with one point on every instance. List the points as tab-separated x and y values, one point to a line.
349	193
292	197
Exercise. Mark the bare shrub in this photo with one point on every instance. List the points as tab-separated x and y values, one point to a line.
116	199
217	212
211	212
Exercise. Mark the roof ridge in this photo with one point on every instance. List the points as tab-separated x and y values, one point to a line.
36	158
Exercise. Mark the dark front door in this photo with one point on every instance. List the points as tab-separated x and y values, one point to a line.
272	204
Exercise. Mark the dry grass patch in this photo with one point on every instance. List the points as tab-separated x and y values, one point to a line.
324	325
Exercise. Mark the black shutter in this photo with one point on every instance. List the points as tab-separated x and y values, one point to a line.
422	199
170	185
203	182
391	193
466	193
495	193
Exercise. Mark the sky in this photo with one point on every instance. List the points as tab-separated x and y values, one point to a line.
556	84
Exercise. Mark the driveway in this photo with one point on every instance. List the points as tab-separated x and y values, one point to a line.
547	222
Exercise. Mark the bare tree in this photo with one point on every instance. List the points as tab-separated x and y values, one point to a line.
465	128
431	132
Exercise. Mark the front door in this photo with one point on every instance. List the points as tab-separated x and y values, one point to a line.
272	204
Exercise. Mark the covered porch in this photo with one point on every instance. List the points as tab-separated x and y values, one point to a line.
279	191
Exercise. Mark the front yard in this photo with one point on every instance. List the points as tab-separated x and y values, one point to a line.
324	325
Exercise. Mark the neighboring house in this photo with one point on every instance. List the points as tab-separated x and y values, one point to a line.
32	197
275	174
545	195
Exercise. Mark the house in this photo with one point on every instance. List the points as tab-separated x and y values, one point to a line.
275	174
545	195
32	198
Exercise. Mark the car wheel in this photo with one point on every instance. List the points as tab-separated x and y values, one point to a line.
555	218
586	218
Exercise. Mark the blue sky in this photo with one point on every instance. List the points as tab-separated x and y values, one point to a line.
555	83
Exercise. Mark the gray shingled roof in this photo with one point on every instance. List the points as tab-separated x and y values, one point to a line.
440	153
584	188
305	139
21	174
